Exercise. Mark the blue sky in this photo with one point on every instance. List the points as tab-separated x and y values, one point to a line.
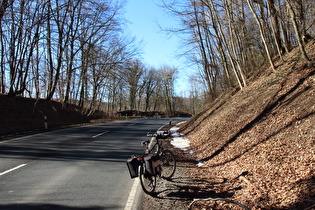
158	48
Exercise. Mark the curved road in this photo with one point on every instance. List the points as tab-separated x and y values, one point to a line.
77	168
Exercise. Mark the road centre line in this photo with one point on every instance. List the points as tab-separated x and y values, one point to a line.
97	135
12	169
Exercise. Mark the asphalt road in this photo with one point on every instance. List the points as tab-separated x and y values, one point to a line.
77	168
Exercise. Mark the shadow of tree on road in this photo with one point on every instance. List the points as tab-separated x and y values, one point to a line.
27	206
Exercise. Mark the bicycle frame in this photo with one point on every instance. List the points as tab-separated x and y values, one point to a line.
156	147
156	162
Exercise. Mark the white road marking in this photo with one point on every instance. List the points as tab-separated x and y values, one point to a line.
97	135
12	169
132	194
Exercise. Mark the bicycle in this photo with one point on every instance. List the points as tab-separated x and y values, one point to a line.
156	162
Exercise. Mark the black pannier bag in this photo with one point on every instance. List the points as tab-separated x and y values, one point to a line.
152	163
133	166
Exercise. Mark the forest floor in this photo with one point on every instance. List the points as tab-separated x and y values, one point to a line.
255	147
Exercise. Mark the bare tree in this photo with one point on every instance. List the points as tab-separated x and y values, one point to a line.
262	34
25	20
298	32
228	41
133	71
151	82
60	18
168	78
275	26
3	7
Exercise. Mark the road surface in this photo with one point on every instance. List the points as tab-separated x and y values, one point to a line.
77	168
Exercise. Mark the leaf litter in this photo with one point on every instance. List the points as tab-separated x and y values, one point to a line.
261	140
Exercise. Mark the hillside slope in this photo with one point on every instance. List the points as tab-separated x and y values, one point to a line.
21	115
260	142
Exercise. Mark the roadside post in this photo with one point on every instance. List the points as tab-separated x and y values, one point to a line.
45	122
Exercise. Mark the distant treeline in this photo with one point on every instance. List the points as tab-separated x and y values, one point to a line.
157	114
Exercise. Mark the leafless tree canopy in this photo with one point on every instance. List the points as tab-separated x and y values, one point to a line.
229	39
75	51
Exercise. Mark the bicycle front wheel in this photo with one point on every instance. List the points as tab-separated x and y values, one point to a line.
168	164
147	180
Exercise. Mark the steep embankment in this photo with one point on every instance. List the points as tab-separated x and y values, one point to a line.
261	140
21	115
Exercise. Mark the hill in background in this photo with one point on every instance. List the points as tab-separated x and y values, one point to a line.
257	145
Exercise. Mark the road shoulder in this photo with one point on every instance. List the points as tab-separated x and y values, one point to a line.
176	193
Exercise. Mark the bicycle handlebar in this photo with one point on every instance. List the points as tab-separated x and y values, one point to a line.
157	133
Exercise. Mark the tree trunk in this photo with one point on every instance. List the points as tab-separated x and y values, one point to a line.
297	31
275	27
262	35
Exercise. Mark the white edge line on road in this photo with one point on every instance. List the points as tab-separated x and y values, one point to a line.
99	134
12	169
132	195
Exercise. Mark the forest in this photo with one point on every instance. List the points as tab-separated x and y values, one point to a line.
76	51
229	40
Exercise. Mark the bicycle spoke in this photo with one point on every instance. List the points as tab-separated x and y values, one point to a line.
148	181
168	164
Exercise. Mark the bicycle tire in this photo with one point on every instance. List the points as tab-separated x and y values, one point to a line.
168	164
147	180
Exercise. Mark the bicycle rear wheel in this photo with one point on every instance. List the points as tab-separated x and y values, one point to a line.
168	164
147	180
